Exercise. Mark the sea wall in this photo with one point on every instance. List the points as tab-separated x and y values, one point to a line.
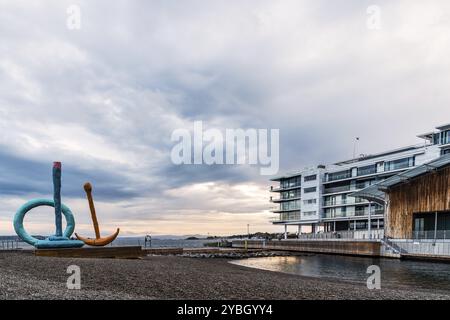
346	247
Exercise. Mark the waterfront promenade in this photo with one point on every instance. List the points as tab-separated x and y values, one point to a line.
25	276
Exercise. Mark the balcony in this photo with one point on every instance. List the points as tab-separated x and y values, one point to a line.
287	217
280	210
338	176
364	171
352	214
278	200
331	203
337	189
284	188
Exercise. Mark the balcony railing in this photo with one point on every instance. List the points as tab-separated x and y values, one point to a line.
337	189
350	214
287	216
351	234
281	209
276	200
367	171
425	235
282	188
344	202
338	176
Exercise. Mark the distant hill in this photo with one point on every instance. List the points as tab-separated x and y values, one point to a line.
16	238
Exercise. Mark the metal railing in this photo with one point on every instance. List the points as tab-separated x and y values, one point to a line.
9	244
281	199
288	216
337	189
439	247
345	201
430	235
351	214
338	176
281	188
344	235
365	172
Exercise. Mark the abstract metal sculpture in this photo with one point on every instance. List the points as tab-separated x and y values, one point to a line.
98	241
60	239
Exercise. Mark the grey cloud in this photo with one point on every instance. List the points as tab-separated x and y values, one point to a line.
138	70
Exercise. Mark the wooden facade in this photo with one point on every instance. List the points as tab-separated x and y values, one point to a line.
429	193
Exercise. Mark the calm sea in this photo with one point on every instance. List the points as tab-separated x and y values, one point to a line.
398	273
140	241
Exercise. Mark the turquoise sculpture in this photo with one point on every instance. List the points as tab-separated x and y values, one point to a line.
60	239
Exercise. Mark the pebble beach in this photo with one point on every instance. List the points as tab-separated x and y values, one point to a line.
25	276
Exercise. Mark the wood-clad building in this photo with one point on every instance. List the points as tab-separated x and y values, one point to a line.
420	207
417	201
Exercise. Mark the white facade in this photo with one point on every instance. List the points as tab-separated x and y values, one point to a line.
319	196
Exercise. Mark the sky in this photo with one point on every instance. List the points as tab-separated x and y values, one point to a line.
105	98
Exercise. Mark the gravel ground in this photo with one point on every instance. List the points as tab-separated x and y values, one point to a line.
24	276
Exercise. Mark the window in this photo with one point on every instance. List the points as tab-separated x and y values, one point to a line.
399	164
339	175
311	178
436	138
309	213
444	137
445	151
291	194
309	190
310	201
362	171
291	182
364	184
290	205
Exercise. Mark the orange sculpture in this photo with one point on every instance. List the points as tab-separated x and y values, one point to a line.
98	241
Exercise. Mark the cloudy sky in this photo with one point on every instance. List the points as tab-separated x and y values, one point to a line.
105	98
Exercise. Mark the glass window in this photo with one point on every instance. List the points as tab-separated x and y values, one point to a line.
290	194
362	171
309	190
445	137
399	164
291	182
339	175
290	205
436	138
311	177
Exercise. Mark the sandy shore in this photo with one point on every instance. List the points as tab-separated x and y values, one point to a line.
24	276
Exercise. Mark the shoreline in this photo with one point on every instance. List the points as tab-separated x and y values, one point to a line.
25	276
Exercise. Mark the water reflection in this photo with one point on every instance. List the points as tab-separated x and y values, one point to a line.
424	275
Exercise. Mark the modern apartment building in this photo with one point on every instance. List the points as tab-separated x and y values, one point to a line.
318	199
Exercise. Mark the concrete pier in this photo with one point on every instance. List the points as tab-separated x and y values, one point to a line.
344	247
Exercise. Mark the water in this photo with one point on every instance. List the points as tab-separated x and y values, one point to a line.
396	273
161	243
140	241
